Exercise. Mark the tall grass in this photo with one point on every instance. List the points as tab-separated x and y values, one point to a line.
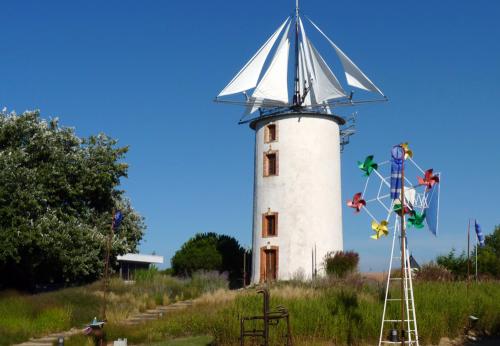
26	316
342	314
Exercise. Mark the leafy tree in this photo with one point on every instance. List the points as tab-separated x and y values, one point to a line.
210	251
488	257
340	263
57	192
456	264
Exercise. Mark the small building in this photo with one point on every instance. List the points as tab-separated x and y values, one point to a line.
131	262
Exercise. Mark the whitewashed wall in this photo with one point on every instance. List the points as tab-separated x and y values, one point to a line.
306	193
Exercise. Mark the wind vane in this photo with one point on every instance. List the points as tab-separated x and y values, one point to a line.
316	88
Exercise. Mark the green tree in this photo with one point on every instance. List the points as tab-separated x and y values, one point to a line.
456	264
488	257
57	192
210	251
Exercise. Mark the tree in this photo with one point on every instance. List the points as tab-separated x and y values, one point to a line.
57	193
340	263
210	251
456	264
488	257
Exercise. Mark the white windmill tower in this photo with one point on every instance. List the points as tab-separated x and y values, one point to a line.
297	210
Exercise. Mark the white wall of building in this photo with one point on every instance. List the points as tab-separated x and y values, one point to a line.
306	193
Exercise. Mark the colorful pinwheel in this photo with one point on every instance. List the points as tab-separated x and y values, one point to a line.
380	229
368	166
357	202
408	151
416	219
429	180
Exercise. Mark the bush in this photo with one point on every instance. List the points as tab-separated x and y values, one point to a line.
433	272
341	263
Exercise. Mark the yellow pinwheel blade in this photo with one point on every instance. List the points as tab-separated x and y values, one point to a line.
408	151
375	225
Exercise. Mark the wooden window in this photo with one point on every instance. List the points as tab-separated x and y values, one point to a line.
271	133
269	263
269	224
270	163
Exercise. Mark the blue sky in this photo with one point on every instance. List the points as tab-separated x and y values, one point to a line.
146	73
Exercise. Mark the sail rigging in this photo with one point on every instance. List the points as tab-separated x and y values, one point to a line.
315	85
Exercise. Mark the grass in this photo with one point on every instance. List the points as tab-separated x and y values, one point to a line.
26	316
341	313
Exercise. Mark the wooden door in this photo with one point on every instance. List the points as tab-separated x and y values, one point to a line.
271	265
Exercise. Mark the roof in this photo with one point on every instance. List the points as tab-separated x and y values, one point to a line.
136	257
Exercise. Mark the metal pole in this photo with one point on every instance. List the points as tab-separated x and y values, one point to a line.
296	101
403	256
468	251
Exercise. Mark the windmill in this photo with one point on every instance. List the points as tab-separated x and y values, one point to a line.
298	139
409	204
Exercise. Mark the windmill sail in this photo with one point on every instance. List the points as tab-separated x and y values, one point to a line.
248	76
274	83
325	85
355	77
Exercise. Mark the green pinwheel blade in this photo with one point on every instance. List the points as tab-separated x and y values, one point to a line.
417	220
368	165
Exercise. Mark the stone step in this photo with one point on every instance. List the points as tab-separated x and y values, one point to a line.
45	339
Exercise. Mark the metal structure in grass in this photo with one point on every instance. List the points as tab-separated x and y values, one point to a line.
386	184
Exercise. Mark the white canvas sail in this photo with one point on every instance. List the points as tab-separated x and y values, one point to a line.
308	67
305	78
274	83
355	77
326	86
248	76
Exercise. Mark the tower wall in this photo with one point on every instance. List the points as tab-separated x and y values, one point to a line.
305	193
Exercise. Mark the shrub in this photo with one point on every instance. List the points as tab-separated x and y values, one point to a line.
341	263
433	272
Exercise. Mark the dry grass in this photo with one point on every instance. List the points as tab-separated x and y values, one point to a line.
220	296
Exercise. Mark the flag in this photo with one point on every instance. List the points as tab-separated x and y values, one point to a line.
432	212
397	154
117	219
480	235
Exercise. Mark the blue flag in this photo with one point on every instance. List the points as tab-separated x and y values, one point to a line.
117	219
480	235
397	154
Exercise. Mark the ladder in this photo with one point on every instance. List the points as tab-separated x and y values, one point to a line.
411	333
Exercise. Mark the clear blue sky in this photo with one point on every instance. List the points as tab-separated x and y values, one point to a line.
145	72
